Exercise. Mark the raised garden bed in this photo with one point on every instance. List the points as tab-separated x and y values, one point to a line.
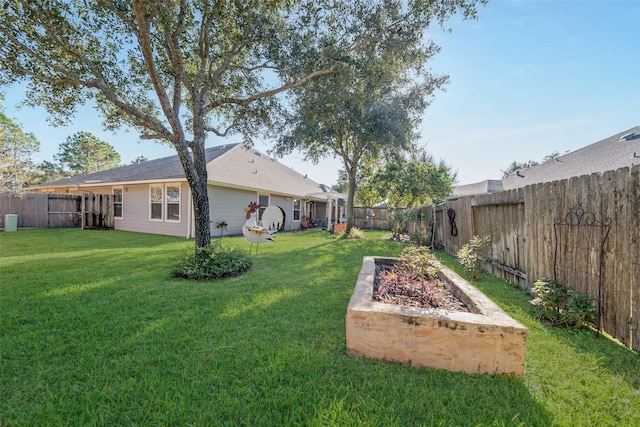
483	340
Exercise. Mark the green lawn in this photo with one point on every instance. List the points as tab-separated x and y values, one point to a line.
95	331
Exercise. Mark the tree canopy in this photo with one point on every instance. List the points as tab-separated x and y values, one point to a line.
369	106
410	181
516	166
83	153
16	150
178	71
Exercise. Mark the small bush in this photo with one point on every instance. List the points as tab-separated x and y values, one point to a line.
213	262
471	254
562	306
421	238
356	233
401	218
420	262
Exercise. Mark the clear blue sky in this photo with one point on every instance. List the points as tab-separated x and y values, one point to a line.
527	78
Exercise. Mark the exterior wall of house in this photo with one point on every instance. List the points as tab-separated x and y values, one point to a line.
136	211
321	212
286	203
226	204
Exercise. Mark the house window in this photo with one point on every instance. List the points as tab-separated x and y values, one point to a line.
263	201
173	202
117	202
165	202
296	210
155	196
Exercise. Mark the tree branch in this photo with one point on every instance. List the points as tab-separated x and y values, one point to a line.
217	132
144	41
246	101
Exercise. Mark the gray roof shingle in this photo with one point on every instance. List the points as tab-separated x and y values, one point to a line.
232	165
617	151
157	169
611	153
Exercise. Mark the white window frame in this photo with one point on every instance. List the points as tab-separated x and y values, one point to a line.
297	210
172	202
152	202
165	202
262	207
121	202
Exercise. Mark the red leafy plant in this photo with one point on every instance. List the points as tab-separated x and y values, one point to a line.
413	280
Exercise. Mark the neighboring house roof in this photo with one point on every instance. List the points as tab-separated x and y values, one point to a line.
615	152
231	165
483	187
618	151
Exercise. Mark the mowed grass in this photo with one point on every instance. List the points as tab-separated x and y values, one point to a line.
95	331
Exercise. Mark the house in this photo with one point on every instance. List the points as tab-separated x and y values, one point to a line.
154	196
618	151
483	187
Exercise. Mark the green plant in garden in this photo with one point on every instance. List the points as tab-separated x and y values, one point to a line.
420	262
562	306
401	218
353	234
213	262
472	254
421	237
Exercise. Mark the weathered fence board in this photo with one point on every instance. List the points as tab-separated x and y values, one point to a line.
371	218
632	258
97	211
62	211
520	223
45	210
31	208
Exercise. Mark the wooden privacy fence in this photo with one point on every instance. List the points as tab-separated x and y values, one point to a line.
371	218
97	210
43	210
521	222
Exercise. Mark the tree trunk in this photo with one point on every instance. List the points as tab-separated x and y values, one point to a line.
201	214
194	164
351	172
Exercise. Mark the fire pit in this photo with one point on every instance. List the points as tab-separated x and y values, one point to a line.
483	340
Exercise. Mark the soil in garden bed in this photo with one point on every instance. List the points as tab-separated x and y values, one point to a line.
395	286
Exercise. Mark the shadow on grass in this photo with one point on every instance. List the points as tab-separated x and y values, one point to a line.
114	338
610	355
566	366
302	361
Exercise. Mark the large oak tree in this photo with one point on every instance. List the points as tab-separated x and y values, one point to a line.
369	108
180	70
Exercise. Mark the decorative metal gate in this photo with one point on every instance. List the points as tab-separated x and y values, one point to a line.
578	256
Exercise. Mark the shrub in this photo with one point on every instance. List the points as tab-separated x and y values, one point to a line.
356	233
401	218
421	238
471	254
420	262
562	306
338	234
213	262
